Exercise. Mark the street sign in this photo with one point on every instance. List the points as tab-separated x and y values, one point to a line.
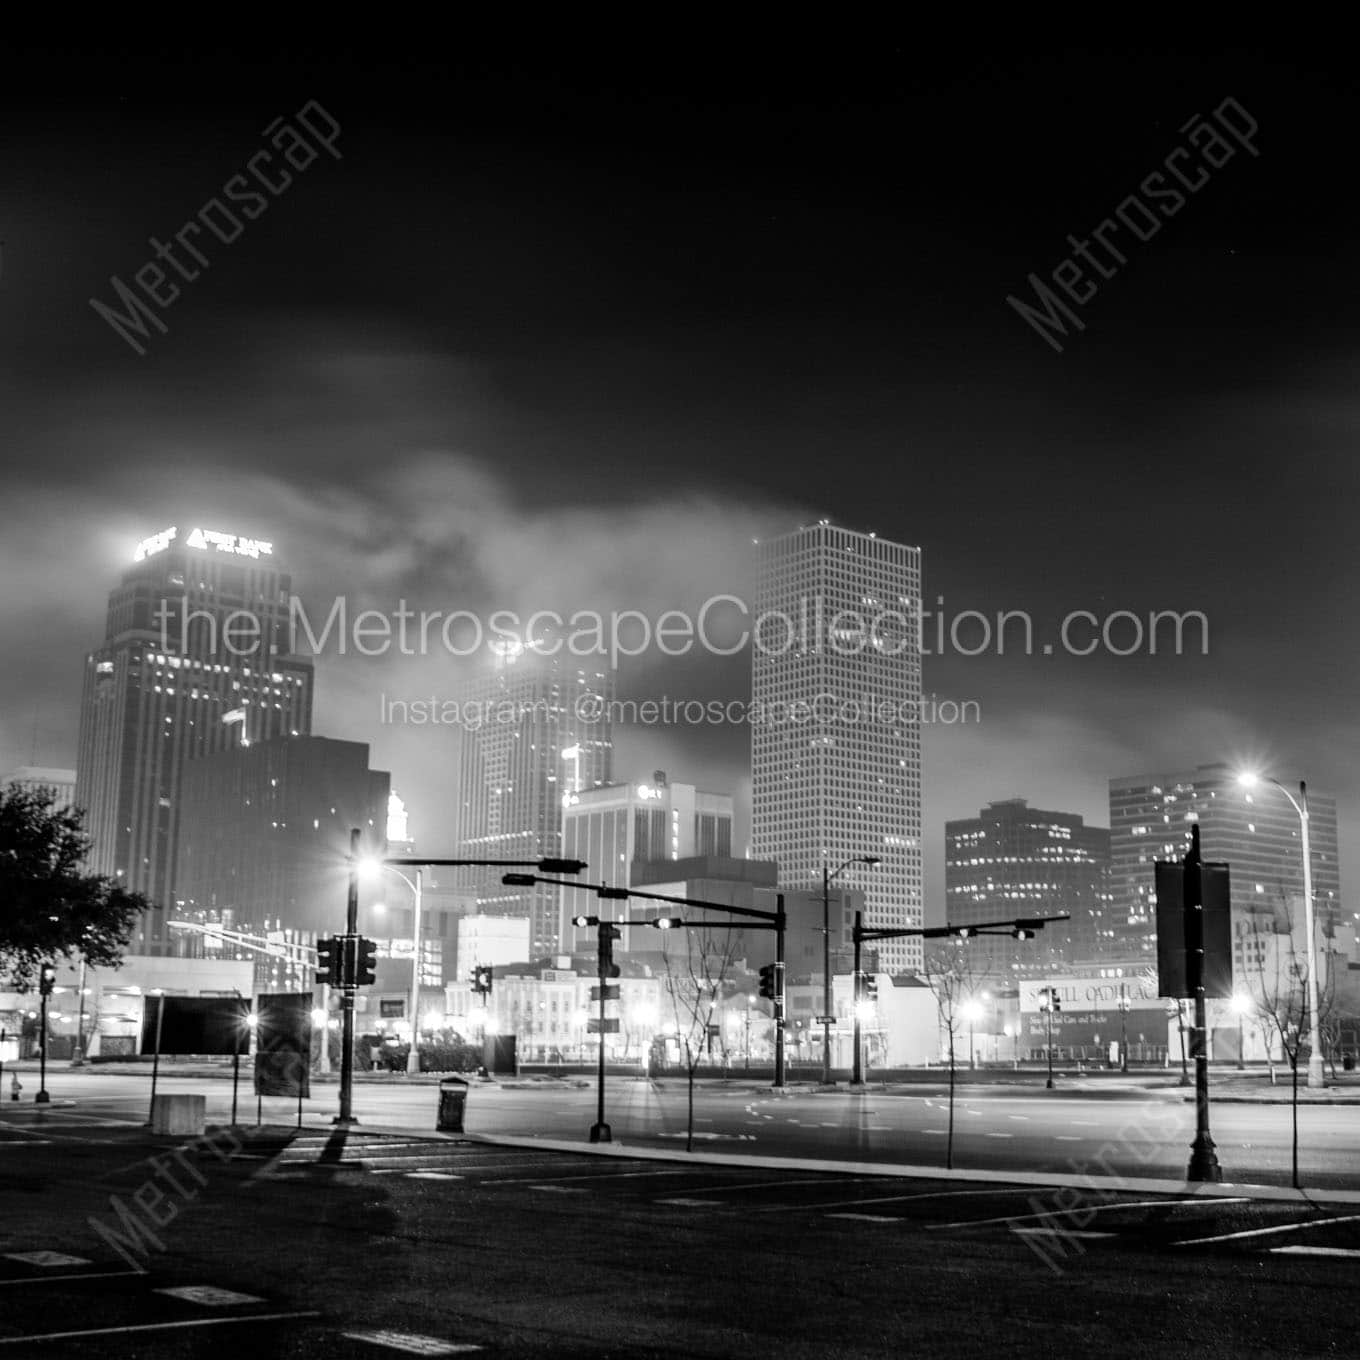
611	993
825	1020
611	1025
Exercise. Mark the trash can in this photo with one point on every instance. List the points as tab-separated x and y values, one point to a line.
452	1102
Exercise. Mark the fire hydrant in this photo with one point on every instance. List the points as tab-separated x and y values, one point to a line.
14	1087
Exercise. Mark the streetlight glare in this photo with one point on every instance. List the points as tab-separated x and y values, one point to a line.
369	867
1248	779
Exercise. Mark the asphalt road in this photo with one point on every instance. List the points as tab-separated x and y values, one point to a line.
1102	1129
290	1245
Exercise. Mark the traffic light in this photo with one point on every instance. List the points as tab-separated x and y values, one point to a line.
870	987
366	962
608	934
1051	1000
328	961
769	982
481	980
1022	933
47	980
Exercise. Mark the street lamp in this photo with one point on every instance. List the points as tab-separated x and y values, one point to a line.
828	877
373	867
1241	1005
1124	1004
972	1012
1249	780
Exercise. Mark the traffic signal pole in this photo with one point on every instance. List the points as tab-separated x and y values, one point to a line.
780	971
1203	1158
346	1115
857	1069
600	1132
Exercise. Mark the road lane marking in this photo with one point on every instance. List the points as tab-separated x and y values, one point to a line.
432	1176
561	1189
1297	1250
1092	1209
1063	1232
412	1343
891	1199
1000	1135
46	1259
209	1295
158	1327
1267	1232
1068	1137
868	1218
76	1275
691	1203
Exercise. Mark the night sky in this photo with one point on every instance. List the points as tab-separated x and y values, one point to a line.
568	328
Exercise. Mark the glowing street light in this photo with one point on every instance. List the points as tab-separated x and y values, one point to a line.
972	1012
1242	1006
1249	779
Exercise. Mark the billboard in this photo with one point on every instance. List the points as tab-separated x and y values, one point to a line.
283	1044
214	1025
1217	916
1094	993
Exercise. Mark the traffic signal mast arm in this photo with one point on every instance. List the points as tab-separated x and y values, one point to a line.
940	932
544	866
605	892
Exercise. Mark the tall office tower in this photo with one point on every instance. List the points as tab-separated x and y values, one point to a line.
536	726
836	760
264	833
61	784
619	826
1255	830
1014	860
194	660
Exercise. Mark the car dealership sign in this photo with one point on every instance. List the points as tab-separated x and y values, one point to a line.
1095	993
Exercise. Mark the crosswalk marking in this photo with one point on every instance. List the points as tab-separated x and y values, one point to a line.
1297	1250
1266	1232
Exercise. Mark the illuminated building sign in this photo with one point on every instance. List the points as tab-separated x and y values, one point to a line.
156	543
229	543
204	539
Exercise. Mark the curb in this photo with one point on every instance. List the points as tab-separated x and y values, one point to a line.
1052	1180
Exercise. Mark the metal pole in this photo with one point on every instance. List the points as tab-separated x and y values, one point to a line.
1049	1009
346	1115
324	1062
1203	1159
156	1061
413	1057
78	1057
600	1132
826	974
857	1071
42	1098
1123	1028
780	924
1315	1079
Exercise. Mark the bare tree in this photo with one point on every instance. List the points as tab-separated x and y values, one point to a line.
1277	978
695	977
955	975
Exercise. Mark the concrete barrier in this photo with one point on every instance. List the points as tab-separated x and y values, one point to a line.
178	1115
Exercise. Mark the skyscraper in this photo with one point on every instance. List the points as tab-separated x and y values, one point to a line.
835	737
194	660
1014	860
1255	830
619	826
535	726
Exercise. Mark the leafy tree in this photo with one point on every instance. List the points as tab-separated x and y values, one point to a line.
49	907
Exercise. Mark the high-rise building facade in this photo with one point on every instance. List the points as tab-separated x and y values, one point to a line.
536	726
1255	830
1014	860
265	828
61	784
835	744
619	826
195	660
